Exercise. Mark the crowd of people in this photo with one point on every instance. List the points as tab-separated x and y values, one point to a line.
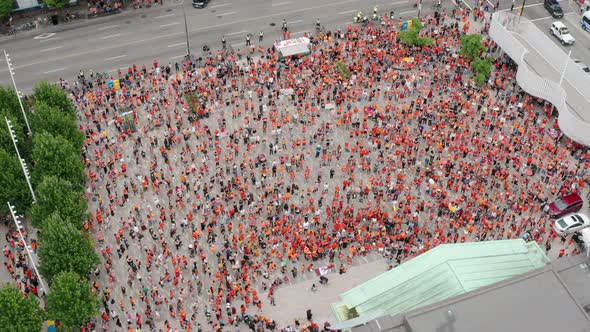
214	182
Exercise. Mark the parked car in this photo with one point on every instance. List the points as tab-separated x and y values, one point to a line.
559	30
585	22
571	224
553	8
567	204
200	3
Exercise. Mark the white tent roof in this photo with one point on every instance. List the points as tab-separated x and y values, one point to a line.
293	46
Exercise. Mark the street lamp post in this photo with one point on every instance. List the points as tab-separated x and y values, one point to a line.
27	248
21	160
11	70
419	8
188	47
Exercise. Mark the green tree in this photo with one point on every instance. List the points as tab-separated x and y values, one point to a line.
50	119
412	37
70	301
53	95
58	195
471	46
482	69
10	108
19	313
63	247
13	185
56	3
56	156
5	7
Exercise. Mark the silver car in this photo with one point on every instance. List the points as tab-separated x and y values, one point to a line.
571	223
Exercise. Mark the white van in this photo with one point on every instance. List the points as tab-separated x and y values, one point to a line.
586	21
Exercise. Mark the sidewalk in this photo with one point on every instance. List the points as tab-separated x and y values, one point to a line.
126	11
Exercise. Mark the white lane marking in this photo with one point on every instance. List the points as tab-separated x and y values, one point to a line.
235	33
115	57
400	2
238	44
455	3
174	45
220	5
168	35
544	18
407	12
162	16
51	49
491	4
226	14
281	3
111	36
50	39
347	12
53	71
299	32
169	24
177	57
45	35
527	6
293	22
109	27
466	4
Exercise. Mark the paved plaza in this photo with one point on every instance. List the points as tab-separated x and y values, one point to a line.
205	208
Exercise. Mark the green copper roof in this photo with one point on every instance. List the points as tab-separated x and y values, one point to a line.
443	272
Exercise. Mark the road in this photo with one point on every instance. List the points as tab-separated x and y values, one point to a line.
142	36
572	16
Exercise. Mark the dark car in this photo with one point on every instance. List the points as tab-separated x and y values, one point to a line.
553	8
200	3
567	204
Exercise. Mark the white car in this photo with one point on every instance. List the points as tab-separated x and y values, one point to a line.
559	30
570	224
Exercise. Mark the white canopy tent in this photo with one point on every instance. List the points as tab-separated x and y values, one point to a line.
293	46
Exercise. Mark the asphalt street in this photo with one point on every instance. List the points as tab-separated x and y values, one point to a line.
144	35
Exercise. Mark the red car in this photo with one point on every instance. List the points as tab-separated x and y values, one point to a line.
567	204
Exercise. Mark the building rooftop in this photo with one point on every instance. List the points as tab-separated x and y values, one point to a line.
441	273
549	299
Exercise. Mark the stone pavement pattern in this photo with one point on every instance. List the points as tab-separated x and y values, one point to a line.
192	214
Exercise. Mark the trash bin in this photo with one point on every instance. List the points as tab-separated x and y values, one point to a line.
54	19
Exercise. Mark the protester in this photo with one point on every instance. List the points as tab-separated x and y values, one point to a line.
221	179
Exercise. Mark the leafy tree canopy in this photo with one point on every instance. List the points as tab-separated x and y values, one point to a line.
70	301
23	141
5	7
471	46
13	185
56	156
53	95
50	119
19	313
58	195
63	247
411	36
56	3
